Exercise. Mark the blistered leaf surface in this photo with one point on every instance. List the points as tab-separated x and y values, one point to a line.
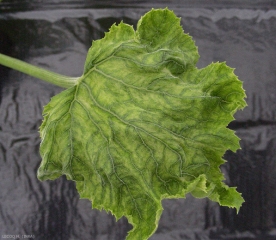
143	123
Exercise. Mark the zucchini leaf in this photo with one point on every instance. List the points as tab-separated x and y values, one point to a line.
143	123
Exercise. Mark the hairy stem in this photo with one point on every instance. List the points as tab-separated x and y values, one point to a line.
34	71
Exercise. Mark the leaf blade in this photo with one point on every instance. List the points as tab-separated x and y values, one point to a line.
143	124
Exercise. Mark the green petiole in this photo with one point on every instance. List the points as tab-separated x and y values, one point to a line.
37	72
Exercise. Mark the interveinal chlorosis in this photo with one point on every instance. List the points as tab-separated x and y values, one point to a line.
143	124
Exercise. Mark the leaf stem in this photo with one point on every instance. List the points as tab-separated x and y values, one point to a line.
34	71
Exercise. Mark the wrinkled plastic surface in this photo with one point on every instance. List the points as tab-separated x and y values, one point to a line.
57	37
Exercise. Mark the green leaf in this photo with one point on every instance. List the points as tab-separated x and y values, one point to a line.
143	123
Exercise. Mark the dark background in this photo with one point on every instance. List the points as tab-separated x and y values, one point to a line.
56	35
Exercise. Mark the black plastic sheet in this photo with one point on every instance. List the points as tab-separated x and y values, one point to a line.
56	35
